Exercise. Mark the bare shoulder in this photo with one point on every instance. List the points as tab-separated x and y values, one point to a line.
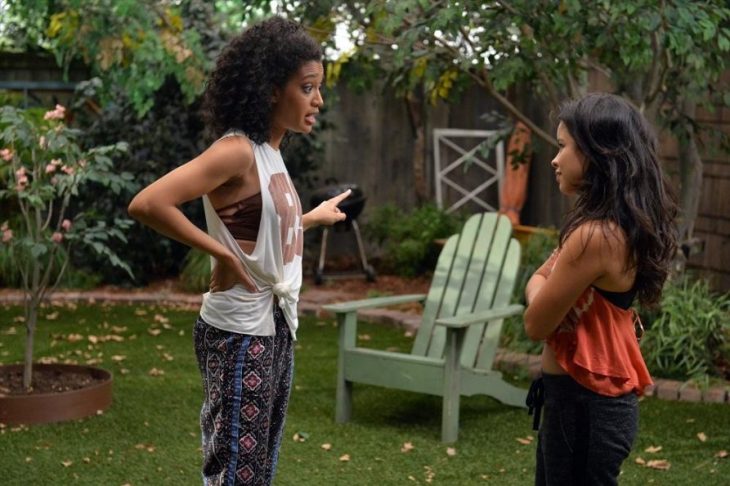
232	155
602	240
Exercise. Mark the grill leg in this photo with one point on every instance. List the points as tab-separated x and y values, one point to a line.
369	271
319	274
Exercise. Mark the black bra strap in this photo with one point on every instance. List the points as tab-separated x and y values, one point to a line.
619	299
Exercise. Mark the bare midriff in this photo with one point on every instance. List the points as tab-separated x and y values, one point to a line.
225	275
549	363
247	246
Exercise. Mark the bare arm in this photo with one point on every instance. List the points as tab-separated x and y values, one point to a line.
540	276
157	205
582	260
533	287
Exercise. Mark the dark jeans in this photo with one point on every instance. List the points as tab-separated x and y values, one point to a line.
584	437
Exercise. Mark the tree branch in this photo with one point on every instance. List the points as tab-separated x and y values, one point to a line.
573	87
484	81
508	7
465	35
48	217
552	90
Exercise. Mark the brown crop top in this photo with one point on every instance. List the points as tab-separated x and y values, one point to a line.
242	218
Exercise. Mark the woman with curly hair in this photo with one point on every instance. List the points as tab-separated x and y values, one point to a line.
266	83
617	245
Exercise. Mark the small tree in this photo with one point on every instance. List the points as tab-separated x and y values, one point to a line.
42	170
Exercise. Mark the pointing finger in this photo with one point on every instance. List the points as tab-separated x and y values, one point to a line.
340	197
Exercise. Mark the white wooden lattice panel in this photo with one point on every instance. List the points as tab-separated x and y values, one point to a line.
493	168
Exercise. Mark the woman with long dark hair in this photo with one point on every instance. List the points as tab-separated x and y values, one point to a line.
616	246
266	83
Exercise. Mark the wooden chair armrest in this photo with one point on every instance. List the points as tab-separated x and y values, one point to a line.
466	320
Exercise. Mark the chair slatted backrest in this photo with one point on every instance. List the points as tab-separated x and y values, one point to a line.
475	272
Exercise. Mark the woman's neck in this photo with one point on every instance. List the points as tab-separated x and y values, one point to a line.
275	138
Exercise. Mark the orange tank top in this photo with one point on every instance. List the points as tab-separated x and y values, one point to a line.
596	345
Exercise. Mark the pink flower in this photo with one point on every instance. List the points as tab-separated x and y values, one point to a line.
68	170
50	168
57	114
6	154
7	232
66	224
57	237
22	181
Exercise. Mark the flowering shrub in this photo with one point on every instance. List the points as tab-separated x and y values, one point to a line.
42	170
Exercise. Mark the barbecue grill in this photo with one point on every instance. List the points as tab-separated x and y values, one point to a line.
352	206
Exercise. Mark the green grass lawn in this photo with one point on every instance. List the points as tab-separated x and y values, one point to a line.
150	434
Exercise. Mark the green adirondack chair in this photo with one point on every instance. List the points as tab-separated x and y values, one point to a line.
456	342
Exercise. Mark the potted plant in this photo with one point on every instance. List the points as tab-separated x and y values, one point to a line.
42	168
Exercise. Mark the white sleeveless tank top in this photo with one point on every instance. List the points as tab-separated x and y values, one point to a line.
275	265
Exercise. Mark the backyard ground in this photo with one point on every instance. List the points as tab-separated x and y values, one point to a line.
150	434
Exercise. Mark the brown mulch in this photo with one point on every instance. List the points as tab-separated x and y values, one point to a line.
383	285
44	381
355	285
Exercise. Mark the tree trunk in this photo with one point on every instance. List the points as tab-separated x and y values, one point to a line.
32	301
414	101
690	172
31	317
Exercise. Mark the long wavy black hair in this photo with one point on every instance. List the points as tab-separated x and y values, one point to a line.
623	184
263	57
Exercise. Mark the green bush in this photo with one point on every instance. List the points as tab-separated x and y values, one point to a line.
407	240
689	335
168	135
195	274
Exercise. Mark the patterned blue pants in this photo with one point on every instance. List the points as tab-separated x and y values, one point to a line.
246	381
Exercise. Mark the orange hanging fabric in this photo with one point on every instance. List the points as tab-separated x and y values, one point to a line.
516	171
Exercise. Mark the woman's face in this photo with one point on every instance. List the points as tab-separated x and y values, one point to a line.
295	106
569	163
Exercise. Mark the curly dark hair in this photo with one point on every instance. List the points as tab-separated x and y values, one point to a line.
264	56
624	184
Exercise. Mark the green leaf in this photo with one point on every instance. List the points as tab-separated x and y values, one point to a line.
38	250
